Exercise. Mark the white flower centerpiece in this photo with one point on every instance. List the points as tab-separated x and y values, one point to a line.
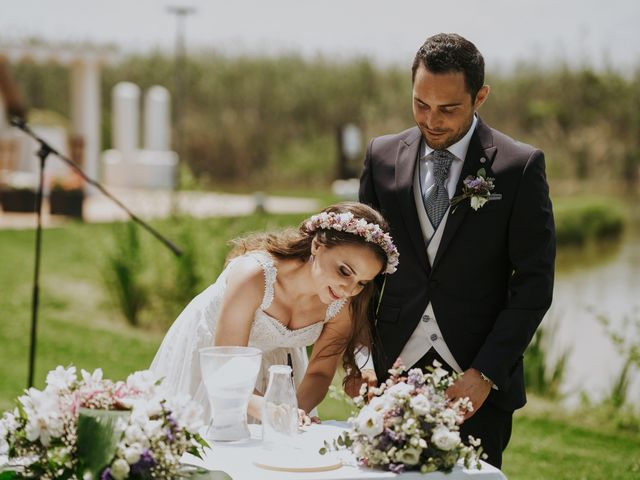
94	428
409	424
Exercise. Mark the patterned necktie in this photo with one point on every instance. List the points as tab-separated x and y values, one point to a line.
436	201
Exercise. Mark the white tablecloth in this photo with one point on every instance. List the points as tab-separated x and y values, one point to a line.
238	460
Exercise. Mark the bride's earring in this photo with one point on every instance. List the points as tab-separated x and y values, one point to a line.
312	257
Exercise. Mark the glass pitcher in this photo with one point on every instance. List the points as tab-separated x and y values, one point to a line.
280	408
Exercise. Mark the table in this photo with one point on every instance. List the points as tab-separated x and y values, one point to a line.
237	460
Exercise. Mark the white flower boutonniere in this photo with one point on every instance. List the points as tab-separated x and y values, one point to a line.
477	189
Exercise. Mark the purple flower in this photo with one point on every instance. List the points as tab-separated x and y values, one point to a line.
396	467
106	474
385	440
415	378
146	463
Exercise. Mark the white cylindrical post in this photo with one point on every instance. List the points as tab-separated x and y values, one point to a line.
85	98
157	121
125	121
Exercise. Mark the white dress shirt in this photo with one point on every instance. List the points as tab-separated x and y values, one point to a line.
427	333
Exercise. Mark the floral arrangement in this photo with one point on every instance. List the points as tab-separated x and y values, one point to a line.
409	424
478	189
93	428
346	222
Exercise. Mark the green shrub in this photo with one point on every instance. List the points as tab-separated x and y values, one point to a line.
580	221
123	273
542	377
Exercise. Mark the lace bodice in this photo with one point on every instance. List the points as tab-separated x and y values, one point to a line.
267	332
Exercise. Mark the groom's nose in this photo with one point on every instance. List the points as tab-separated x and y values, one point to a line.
433	119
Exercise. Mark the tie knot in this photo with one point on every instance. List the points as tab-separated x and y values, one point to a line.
441	163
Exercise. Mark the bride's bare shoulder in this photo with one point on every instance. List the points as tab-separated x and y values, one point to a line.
247	273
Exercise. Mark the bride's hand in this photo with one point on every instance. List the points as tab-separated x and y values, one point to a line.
368	376
305	420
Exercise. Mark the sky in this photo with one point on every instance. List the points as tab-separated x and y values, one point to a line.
597	33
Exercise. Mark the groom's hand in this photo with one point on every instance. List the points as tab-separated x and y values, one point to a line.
368	376
472	386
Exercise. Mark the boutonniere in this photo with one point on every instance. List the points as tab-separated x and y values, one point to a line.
477	189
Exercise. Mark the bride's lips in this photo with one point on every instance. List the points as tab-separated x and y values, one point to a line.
333	294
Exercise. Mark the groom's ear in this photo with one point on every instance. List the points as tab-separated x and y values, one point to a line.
481	96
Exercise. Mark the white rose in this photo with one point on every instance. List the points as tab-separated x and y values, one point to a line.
445	439
152	407
408	456
477	202
420	404
401	389
133	434
120	469
142	381
132	453
380	404
153	428
139	416
370	422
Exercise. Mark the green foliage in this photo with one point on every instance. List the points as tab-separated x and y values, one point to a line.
123	272
187	278
626	339
583	220
540	375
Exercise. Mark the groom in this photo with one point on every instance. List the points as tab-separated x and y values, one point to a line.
473	283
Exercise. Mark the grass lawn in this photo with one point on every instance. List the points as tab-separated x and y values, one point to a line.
78	324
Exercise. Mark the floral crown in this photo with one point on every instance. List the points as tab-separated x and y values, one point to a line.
346	222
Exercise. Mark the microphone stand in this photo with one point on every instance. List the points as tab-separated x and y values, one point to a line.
43	153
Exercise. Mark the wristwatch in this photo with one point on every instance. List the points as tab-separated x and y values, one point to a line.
486	379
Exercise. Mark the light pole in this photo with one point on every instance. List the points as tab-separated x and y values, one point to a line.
181	13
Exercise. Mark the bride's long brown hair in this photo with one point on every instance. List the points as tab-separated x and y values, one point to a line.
296	244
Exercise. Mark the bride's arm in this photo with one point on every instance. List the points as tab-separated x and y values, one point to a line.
327	352
243	295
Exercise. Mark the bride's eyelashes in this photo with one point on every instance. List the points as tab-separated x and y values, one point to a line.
344	271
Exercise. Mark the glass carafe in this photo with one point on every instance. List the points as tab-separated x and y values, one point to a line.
280	408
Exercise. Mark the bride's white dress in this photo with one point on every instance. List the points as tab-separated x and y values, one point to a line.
177	359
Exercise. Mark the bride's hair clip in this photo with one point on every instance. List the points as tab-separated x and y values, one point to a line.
346	222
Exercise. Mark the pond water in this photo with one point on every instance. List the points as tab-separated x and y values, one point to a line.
601	280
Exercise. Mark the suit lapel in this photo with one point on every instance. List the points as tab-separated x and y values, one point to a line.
479	155
405	166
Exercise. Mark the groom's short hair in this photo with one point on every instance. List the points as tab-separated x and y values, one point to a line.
450	53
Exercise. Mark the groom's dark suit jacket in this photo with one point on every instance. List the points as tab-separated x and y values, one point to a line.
492	279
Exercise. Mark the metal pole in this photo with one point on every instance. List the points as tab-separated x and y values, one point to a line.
179	94
35	301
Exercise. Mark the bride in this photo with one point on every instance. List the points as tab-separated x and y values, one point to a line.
282	292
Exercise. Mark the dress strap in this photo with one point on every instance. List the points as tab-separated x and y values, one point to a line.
268	266
334	308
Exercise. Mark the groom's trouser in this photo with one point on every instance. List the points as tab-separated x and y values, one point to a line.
490	424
